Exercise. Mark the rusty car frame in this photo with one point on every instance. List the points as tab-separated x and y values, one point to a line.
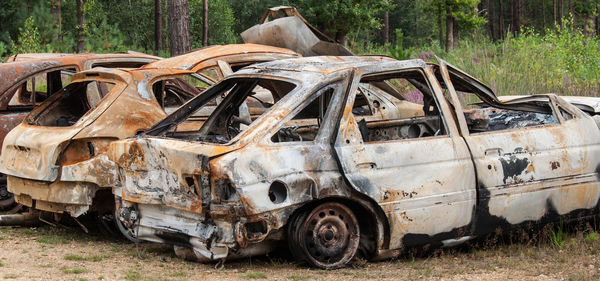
315	171
55	160
28	79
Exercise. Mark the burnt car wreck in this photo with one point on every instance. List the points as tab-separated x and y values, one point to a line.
29	79
353	156
56	161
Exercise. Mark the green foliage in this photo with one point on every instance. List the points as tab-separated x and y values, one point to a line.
398	51
338	18
563	61
3	49
558	236
29	40
221	23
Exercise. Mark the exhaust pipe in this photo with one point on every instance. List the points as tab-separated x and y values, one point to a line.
30	218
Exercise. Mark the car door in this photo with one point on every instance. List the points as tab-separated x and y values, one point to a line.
424	181
537	168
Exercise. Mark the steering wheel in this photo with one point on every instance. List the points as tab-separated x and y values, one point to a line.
233	125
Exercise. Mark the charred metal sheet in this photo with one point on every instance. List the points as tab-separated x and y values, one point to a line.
289	29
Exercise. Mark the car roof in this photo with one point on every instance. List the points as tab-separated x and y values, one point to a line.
13	72
324	65
194	58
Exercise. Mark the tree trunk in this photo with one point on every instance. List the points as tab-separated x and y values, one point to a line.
205	23
342	38
554	11
80	27
560	12
440	27
386	28
543	15
489	26
455	33
179	27
417	18
515	15
500	19
157	26
449	29
55	9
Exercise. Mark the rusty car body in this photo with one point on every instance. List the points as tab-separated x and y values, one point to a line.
320	170
31	78
55	160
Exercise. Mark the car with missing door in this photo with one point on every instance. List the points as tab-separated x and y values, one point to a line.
56	159
322	171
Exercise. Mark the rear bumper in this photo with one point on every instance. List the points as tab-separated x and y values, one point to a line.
193	236
74	198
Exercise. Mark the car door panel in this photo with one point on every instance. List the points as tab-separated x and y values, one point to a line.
425	186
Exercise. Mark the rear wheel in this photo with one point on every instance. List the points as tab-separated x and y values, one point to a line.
326	236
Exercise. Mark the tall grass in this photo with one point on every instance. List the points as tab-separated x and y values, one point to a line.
563	61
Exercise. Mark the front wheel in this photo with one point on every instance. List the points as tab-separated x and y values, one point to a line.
326	236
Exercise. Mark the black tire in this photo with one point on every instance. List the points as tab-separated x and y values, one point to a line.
326	237
7	199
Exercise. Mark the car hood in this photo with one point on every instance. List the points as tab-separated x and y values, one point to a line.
590	105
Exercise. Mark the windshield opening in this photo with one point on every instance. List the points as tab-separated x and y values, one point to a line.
224	111
68	105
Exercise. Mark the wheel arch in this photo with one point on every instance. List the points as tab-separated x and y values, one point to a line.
369	215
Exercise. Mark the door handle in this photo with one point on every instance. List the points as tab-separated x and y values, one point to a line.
494	152
366	165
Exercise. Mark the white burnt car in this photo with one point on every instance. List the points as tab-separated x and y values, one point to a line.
323	169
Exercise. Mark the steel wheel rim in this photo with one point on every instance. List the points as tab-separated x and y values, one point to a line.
329	235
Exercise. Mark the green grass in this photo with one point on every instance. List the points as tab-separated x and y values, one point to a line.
592	237
132	275
298	277
254	275
73	257
1	264
52	239
11	276
75	271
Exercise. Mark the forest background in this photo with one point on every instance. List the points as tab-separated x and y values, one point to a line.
515	46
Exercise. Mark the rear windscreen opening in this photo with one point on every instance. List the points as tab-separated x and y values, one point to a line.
68	105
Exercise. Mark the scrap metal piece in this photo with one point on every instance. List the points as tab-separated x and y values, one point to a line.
289	29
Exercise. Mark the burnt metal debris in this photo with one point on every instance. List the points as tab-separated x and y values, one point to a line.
355	155
284	27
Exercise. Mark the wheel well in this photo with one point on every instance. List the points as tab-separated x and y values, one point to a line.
371	224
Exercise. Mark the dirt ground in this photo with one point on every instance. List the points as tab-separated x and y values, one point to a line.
51	253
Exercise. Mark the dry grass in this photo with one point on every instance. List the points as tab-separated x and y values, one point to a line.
78	256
